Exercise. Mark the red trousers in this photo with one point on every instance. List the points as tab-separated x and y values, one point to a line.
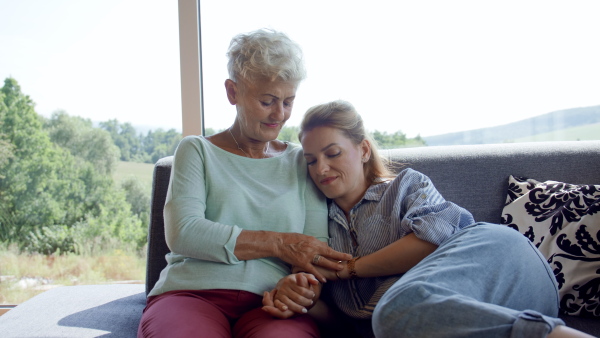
217	313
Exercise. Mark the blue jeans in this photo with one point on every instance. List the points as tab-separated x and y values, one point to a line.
487	280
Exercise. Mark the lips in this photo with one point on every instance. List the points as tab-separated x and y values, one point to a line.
271	125
328	180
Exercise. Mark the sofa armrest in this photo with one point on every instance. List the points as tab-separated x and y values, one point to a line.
78	311
157	245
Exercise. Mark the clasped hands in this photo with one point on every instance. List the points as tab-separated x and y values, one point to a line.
299	291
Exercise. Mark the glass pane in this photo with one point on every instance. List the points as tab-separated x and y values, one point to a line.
430	68
90	100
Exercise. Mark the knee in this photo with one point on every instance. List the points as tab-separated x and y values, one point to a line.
499	236
394	311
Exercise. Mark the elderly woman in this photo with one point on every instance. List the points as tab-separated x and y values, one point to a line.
240	208
422	267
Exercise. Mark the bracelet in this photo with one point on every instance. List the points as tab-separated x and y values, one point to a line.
351	269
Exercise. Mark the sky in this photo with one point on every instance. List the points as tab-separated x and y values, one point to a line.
420	67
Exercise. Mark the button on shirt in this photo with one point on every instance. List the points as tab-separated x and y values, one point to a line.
387	212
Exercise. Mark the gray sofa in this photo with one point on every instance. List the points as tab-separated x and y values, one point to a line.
474	177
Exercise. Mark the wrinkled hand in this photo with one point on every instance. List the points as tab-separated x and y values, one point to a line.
292	295
270	308
300	251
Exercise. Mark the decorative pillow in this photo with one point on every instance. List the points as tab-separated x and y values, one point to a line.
563	221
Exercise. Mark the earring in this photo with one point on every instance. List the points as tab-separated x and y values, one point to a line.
364	159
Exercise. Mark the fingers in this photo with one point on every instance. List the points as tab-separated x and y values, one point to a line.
294	295
313	271
332	265
335	256
307	252
280	311
268	298
270	308
285	304
305	280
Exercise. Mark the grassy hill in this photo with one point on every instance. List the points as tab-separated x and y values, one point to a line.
556	126
582	133
142	171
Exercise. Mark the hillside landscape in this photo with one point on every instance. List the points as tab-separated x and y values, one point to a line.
563	125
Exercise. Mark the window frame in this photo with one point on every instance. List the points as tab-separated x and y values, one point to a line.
190	54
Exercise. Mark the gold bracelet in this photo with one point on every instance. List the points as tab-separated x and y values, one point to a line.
351	269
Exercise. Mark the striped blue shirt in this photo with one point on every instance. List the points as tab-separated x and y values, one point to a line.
387	212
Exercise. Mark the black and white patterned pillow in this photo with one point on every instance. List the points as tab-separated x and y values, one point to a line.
563	221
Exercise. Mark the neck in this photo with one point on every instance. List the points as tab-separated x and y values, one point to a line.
350	200
263	152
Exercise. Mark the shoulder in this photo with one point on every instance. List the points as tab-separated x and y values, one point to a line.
408	181
191	140
193	148
295	153
408	176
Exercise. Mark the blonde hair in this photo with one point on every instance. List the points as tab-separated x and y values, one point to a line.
265	53
342	115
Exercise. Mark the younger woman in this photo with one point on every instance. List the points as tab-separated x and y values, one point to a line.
422	267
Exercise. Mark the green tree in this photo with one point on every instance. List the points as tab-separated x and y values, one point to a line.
83	140
50	199
161	143
396	140
125	137
138	196
209	131
289	134
30	191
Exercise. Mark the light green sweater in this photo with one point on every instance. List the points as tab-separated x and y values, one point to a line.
214	194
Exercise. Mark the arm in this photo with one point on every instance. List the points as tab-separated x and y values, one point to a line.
296	249
190	234
424	211
398	257
297	293
424	220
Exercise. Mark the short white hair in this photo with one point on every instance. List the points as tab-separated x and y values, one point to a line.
265	53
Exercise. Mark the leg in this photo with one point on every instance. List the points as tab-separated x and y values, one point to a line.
257	323
485	281
183	314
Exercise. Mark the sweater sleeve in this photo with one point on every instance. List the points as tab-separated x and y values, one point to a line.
425	212
187	231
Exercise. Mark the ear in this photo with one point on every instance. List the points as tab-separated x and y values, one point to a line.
232	91
365	147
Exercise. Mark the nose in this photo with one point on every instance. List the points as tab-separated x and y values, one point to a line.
278	112
322	167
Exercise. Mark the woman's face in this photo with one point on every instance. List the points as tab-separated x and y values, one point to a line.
335	164
263	106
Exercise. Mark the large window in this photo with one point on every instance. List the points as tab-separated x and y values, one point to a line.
90	100
429	67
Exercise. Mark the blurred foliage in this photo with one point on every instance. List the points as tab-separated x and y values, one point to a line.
139	148
56	191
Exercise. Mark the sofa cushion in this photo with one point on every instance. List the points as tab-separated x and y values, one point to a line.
563	221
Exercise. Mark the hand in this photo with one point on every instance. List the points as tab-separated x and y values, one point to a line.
270	308
334	274
307	252
294	293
